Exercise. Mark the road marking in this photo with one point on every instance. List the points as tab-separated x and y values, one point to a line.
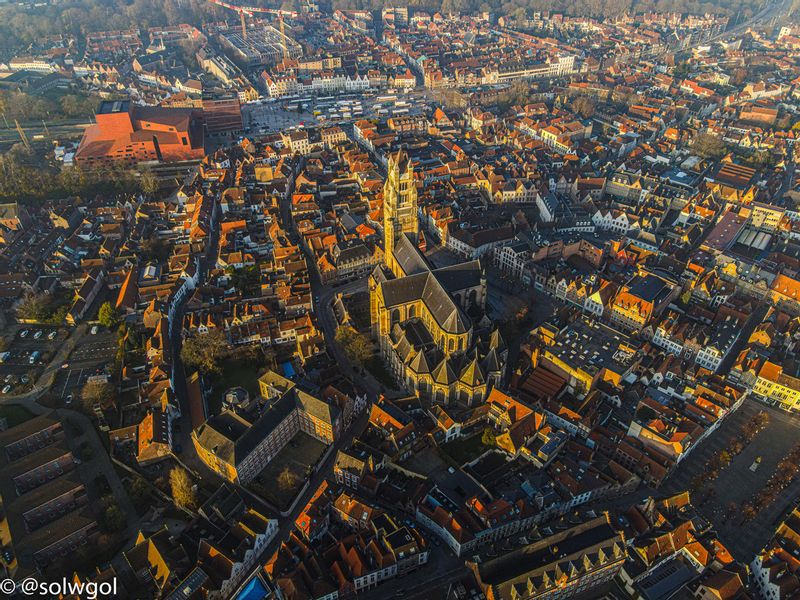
66	382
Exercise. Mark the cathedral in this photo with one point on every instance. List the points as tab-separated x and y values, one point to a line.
430	323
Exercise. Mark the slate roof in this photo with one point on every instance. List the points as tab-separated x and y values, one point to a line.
232	437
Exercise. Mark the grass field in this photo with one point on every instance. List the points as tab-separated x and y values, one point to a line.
237	373
14	414
466	449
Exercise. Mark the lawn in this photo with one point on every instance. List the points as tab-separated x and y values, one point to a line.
466	449
238	372
14	414
285	475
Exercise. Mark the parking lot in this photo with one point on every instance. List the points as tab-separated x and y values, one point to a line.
273	115
738	483
28	352
93	355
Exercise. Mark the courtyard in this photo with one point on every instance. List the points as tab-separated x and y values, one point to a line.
286	474
464	450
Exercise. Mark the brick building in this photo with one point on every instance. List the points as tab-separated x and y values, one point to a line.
129	134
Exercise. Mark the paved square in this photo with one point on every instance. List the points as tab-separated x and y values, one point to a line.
738	483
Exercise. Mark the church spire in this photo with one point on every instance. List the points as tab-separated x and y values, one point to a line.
399	204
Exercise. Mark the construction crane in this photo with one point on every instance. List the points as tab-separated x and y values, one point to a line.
284	40
251	10
22	136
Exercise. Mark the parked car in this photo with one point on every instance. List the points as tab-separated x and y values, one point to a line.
51	335
6	389
38	334
94	329
24	333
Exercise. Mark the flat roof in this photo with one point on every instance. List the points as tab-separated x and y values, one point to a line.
113	106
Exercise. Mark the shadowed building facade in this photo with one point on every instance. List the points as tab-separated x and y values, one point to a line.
569	564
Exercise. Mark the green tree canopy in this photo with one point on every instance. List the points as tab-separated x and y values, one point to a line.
356	345
107	315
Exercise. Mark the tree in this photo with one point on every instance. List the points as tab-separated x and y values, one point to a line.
139	492
584	106
182	487
107	315
748	513
205	352
356	345
154	248
286	479
113	519
96	392
246	280
708	145
697	482
487	437
148	182
34	307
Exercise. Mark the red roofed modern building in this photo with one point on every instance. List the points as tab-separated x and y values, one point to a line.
129	134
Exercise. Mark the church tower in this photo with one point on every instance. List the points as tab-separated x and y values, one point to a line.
399	205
